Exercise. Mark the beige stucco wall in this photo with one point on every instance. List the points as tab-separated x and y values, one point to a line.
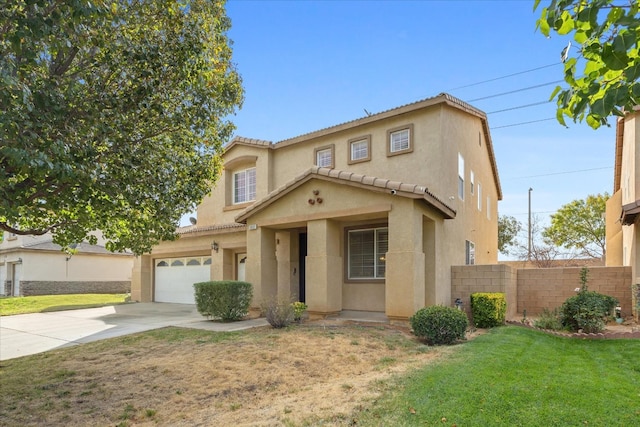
51	266
613	228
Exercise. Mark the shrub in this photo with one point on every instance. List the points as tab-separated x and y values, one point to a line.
548	319
298	310
279	313
439	325
587	311
227	300
488	309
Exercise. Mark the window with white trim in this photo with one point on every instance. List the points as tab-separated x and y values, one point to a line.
488	207
460	176
472	179
399	140
359	150
324	157
244	186
479	197
367	249
470	252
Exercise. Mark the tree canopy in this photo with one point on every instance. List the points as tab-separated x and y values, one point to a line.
112	115
580	225
508	229
603	76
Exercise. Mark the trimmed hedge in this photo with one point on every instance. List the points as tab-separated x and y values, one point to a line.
439	325
227	300
488	309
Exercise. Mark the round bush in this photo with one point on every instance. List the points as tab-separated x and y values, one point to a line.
587	311
439	325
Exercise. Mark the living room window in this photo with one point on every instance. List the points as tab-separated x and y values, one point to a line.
470	252
324	156
400	140
367	250
244	186
359	150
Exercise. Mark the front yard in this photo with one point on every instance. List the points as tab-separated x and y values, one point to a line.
321	373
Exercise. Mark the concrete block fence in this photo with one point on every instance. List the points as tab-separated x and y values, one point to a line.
535	289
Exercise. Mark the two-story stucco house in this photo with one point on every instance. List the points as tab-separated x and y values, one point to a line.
366	215
34	265
623	208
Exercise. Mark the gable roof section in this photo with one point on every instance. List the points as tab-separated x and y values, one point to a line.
355	180
443	98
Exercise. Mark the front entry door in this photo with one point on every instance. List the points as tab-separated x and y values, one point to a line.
241	262
302	257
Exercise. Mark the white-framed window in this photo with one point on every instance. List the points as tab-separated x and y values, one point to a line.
460	176
359	150
324	157
400	140
479	197
244	186
472	182
367	250
470	252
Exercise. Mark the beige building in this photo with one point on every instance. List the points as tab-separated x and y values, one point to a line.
34	265
623	208
366	215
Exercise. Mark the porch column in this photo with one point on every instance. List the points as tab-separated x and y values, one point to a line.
405	264
141	283
261	268
324	267
286	254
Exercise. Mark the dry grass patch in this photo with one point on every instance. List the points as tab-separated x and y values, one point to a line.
319	372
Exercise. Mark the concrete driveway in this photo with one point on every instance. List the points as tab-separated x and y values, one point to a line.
26	334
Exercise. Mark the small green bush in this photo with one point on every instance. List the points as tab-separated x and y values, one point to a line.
279	313
227	300
548	319
439	325
488	309
587	310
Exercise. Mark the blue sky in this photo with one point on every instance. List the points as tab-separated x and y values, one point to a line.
307	65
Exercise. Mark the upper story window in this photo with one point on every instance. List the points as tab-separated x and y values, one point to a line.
488	207
367	249
470	252
479	197
244	186
324	156
472	178
359	150
400	140
460	176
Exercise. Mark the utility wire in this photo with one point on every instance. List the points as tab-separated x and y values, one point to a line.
516	91
522	123
562	173
519	107
503	77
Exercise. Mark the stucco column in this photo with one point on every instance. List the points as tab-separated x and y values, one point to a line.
261	267
405	264
141	279
323	267
285	246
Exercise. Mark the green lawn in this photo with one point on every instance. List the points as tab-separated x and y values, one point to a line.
519	377
40	304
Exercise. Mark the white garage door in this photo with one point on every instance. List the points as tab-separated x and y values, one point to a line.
175	278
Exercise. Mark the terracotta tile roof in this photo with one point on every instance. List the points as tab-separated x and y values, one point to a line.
216	228
82	248
368	182
241	140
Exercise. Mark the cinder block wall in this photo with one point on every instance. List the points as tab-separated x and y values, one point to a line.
535	289
31	288
468	279
542	288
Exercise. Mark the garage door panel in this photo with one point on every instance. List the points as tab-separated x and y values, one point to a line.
175	277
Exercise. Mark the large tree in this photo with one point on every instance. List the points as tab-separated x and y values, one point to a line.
508	229
580	225
603	76
112	115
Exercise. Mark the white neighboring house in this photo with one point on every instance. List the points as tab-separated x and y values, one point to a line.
34	265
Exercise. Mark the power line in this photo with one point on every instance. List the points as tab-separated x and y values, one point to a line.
503	77
516	91
522	123
519	107
562	173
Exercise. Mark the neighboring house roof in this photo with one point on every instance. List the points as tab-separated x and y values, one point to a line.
443	98
215	229
413	191
49	246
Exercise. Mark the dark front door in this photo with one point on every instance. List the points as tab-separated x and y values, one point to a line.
302	244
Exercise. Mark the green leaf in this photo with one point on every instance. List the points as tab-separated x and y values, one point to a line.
613	59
